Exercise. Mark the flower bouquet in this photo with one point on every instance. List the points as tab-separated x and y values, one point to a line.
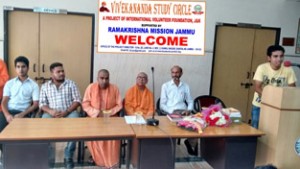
214	116
193	123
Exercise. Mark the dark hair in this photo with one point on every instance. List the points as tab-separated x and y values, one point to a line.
273	48
54	65
269	166
22	59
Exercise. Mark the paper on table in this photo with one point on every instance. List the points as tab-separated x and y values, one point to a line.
135	120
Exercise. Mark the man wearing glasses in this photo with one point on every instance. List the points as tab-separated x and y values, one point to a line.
139	99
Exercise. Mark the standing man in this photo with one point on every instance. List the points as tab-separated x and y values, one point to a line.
175	95
99	98
60	98
20	95
139	99
3	79
270	73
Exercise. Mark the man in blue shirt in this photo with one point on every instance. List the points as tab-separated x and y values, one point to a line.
20	95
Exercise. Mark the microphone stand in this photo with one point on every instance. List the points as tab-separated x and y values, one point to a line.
152	121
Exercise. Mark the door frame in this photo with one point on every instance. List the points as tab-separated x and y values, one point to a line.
254	26
6	30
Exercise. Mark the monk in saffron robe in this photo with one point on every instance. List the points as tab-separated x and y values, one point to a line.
99	98
139	99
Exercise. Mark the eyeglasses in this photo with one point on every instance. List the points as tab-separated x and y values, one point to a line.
142	77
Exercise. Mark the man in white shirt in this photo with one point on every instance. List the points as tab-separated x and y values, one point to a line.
175	95
20	94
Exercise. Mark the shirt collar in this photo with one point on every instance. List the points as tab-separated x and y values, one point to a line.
173	83
51	82
18	80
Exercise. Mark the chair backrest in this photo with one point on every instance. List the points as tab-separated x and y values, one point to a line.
206	101
122	112
158	110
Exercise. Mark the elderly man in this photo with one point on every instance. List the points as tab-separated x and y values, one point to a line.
175	95
99	98
60	98
139	99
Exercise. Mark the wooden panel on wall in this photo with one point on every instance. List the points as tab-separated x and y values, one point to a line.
23	42
67	39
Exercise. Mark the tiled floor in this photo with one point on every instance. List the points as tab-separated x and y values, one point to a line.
184	161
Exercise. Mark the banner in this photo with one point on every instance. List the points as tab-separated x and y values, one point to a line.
154	27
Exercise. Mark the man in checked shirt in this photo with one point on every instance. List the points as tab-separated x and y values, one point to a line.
60	98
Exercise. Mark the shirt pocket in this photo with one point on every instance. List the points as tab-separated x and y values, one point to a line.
26	93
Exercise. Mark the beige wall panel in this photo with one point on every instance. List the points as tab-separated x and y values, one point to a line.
23	42
67	39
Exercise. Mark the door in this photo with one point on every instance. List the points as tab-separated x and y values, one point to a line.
47	38
67	39
238	51
23	38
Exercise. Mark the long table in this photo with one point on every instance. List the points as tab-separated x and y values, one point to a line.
26	141
232	147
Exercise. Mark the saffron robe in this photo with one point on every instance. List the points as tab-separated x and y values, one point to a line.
3	78
137	100
104	153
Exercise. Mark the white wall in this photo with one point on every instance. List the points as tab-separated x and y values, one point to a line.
197	69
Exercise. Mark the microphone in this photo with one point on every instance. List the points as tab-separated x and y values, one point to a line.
289	63
152	121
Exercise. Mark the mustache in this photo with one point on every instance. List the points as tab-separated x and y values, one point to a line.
176	77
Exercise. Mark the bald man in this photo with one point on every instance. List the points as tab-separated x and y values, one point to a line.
139	99
102	98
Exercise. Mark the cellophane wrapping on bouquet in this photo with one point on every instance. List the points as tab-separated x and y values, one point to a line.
214	116
193	123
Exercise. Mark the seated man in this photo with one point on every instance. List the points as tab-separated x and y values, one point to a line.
60	98
3	79
20	95
175	97
139	99
175	94
103	99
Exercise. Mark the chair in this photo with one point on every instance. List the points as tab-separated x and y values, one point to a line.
158	110
206	101
122	113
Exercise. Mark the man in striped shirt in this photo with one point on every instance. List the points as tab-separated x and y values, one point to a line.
60	98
